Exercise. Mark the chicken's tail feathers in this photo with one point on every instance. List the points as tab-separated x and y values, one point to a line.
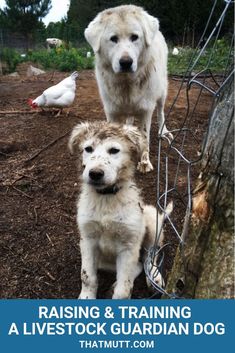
74	75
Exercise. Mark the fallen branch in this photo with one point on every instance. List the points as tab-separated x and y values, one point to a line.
36	215
46	147
17	112
18	178
49	239
22	192
48	273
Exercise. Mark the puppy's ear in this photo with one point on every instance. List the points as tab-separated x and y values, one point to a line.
150	26
78	135
139	143
93	33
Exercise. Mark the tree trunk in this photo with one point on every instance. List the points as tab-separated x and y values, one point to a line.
204	264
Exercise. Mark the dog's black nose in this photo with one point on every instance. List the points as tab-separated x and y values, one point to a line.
96	174
126	63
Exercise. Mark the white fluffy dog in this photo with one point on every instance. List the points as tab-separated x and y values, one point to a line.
131	68
114	223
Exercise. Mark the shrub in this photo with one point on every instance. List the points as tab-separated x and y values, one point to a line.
62	59
11	57
215	57
40	56
66	60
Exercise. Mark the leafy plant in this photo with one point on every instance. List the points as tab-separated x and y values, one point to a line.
11	57
62	59
215	57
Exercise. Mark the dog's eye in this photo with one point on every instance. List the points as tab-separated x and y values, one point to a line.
114	39
134	37
88	149
113	150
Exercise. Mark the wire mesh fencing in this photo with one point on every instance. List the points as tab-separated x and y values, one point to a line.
178	158
19	42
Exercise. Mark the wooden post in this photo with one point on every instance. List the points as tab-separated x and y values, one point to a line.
204	265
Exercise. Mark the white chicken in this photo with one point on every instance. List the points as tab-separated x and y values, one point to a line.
58	96
175	51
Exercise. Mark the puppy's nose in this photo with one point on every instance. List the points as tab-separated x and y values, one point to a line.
126	63
96	174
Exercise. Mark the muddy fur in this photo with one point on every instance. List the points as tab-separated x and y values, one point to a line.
114	223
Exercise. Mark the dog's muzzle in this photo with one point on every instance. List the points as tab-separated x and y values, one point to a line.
126	64
96	175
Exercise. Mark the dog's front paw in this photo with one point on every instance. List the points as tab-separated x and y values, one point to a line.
121	294
145	166
166	133
87	295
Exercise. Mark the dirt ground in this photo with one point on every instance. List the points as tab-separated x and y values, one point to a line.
39	185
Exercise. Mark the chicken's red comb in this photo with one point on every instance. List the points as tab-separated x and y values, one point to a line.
30	102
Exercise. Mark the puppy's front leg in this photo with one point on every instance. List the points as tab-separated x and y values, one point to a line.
89	254
128	268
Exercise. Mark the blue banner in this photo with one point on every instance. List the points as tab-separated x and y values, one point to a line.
116	326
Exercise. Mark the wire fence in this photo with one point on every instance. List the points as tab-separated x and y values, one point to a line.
174	181
19	42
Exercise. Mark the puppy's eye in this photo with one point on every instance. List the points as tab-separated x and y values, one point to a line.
134	37
114	39
113	150
88	149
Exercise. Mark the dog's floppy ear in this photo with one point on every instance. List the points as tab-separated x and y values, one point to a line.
138	141
78	135
150	26
93	33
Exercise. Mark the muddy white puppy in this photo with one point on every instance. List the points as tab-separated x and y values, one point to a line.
131	68
114	224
